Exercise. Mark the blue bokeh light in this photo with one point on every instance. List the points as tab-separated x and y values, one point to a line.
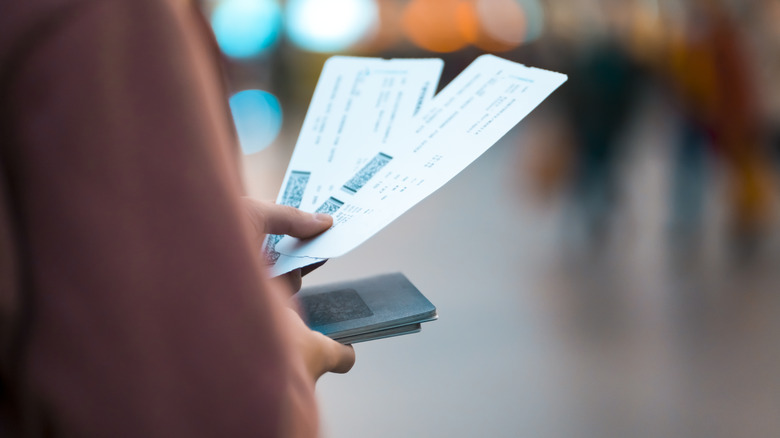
258	118
535	18
246	28
329	26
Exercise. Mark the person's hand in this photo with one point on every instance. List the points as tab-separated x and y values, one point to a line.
271	218
320	353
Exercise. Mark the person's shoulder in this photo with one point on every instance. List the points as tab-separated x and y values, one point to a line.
23	24
18	18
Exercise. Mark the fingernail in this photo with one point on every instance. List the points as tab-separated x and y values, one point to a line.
322	217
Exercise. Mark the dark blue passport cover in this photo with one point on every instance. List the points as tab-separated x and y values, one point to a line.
370	308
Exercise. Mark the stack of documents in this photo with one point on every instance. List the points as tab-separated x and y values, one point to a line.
376	141
363	310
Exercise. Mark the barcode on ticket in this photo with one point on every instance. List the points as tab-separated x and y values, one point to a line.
296	185
330	206
366	173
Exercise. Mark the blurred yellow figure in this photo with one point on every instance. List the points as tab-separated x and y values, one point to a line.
711	76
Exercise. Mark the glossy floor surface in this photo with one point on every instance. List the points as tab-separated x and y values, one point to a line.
544	332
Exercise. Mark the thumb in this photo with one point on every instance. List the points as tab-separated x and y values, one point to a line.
282	219
342	356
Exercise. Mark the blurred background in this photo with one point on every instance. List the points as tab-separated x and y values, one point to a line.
610	268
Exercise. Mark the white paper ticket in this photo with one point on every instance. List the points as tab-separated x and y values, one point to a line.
358	106
471	114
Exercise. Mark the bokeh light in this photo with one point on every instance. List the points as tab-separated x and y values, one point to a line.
329	26
387	34
534	19
439	25
258	118
491	25
246	28
502	25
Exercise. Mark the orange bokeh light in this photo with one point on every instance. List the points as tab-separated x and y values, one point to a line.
450	25
502	24
438	25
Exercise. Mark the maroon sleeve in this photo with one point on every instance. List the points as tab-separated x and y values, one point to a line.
151	314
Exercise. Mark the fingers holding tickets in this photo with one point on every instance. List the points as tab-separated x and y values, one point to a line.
270	218
320	353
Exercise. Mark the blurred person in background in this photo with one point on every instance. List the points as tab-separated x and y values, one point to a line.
600	97
696	50
765	42
709	72
133	300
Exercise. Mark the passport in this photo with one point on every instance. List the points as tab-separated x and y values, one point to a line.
361	310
